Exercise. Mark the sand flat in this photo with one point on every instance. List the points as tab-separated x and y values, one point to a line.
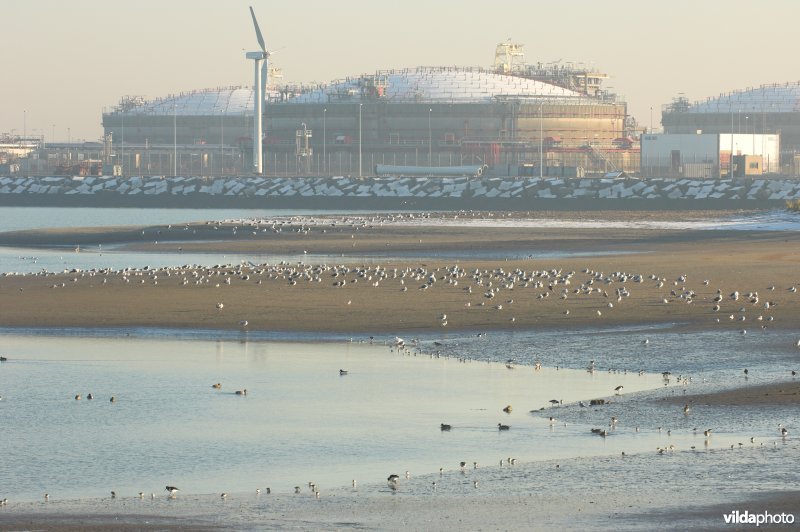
747	262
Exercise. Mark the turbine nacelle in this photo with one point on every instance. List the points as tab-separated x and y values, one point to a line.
258	56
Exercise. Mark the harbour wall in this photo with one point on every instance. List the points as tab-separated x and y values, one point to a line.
400	193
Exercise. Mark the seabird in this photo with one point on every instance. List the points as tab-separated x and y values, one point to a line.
618	388
445	426
392	481
241	392
113	494
507	409
171	489
342	372
217	386
500	426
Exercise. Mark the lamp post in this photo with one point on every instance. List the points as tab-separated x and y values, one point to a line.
24	123
122	148
324	141
430	139
651	119
541	142
359	139
221	143
174	139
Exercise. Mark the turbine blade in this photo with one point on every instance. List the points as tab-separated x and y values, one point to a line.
258	31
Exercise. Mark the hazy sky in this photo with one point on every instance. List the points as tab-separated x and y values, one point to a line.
64	61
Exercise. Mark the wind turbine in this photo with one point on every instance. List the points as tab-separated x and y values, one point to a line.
259	90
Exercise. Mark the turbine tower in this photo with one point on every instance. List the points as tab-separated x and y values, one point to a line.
259	90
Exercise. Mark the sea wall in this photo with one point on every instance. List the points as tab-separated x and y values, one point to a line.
400	192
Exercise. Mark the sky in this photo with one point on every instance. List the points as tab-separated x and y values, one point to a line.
66	61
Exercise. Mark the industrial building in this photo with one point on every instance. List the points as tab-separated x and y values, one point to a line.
709	155
504	118
768	109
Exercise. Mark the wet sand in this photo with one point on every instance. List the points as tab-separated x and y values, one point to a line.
729	260
748	262
524	510
776	394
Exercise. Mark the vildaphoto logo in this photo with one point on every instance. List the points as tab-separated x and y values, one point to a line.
765	518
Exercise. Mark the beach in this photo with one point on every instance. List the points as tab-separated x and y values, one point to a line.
383	267
622	278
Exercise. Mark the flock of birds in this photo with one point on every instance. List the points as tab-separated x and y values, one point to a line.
497	289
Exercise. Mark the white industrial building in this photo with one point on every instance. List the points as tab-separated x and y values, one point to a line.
701	155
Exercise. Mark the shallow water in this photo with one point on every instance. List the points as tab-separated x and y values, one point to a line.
23	260
301	421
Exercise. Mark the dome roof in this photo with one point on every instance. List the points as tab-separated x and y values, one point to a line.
424	84
435	85
206	102
776	98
